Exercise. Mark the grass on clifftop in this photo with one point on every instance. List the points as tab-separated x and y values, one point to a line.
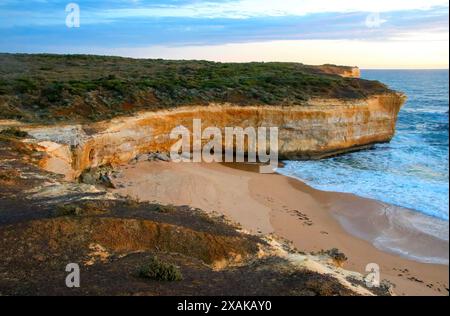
47	88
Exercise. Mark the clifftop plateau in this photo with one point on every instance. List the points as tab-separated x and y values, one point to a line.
61	88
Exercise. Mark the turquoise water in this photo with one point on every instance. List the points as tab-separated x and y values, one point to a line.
412	170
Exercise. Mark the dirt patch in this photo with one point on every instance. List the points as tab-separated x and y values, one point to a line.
52	237
111	250
268	277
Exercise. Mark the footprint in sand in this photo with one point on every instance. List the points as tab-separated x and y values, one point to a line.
302	217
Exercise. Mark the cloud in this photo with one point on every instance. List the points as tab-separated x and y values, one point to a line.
135	32
97	12
240	9
39	25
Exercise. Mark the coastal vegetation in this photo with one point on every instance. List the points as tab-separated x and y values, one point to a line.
336	255
156	269
13	132
47	88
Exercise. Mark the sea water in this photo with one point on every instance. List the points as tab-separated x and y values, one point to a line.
412	171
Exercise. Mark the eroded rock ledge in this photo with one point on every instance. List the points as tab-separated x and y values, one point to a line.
322	128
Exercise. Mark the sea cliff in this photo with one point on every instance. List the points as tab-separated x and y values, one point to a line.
88	111
319	129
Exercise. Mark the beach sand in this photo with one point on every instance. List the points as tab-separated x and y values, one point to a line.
313	220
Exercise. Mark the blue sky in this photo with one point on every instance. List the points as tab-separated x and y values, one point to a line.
237	30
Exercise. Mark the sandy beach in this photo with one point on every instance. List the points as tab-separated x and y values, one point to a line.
313	220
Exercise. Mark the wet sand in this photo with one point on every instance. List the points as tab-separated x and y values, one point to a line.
313	220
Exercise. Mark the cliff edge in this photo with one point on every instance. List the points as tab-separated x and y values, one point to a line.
88	111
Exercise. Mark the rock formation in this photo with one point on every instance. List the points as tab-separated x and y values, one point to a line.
109	110
319	129
346	72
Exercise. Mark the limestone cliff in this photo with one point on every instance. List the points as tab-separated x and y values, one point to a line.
321	128
343	71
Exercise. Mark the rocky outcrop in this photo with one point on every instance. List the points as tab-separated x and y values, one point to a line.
343	71
319	129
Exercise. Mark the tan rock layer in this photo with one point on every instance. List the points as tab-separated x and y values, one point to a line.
346	72
319	129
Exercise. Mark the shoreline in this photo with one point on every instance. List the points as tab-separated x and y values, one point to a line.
312	220
403	219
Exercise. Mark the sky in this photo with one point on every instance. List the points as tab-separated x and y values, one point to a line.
364	33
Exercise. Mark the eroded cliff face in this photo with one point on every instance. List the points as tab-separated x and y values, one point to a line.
354	72
321	128
346	72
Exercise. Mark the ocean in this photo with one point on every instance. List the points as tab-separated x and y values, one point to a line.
412	171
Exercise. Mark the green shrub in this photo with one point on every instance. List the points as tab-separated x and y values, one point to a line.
90	208
165	208
13	132
158	270
335	254
25	85
3	87
53	92
68	210
114	84
81	87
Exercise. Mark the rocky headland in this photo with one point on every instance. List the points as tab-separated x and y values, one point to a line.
319	111
63	116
